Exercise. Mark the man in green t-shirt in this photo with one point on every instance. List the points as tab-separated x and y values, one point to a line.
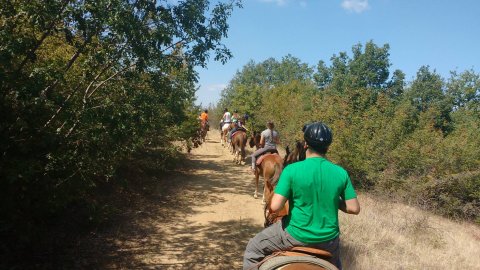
316	189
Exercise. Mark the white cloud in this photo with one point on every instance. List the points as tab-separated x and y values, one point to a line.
278	2
357	6
302	3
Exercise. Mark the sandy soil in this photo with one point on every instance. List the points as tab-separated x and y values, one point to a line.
200	217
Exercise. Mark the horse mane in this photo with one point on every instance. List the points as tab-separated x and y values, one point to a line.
276	176
298	154
254	139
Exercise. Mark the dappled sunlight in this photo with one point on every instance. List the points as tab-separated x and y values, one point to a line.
188	219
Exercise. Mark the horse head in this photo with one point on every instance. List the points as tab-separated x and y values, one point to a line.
298	154
254	140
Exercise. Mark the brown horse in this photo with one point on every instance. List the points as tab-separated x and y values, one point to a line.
269	165
298	154
299	258
205	127
239	140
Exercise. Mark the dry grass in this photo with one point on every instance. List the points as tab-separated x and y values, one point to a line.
395	236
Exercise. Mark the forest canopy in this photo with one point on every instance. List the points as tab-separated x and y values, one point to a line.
84	86
418	141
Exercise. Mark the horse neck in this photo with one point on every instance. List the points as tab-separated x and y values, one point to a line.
297	154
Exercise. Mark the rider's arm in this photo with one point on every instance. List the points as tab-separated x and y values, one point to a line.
278	201
351	206
262	141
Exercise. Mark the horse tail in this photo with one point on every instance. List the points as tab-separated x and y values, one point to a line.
243	143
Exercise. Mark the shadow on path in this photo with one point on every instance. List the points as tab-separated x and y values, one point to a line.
151	227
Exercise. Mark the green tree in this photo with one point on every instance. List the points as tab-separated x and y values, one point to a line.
369	68
86	85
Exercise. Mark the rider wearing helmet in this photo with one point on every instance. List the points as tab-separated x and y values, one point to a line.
238	125
316	189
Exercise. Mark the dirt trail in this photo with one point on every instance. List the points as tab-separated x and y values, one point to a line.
200	217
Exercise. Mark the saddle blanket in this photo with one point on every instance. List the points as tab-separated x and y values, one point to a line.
262	157
237	131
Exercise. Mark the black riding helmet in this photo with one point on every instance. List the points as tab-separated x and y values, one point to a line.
318	136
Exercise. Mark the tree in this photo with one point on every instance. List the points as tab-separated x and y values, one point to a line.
370	67
85	85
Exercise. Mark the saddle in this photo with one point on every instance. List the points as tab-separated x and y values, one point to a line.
308	253
239	129
267	153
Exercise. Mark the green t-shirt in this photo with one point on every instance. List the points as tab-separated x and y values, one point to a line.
313	188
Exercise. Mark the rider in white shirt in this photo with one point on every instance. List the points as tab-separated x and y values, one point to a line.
226	119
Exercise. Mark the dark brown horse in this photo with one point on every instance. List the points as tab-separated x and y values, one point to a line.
269	165
298	153
239	140
205	127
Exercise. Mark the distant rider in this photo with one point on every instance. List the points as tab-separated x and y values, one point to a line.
269	138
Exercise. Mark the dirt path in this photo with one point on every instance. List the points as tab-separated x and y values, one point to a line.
200	217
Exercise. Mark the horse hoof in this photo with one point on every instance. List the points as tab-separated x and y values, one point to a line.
263	202
255	196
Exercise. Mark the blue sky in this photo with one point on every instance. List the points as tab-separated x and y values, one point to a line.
444	34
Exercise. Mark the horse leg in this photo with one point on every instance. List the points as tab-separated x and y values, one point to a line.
235	153
255	195
242	155
264	190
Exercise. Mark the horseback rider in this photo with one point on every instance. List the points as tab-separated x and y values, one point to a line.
235	119
226	119
235	116
269	138
204	119
238	125
316	189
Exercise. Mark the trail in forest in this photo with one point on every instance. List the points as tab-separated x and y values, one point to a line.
200	217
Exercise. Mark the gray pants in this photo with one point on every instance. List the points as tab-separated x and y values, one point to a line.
275	238
259	152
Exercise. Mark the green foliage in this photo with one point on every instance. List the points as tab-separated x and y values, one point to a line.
85	85
417	140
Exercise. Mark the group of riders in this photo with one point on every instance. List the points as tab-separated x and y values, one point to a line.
313	190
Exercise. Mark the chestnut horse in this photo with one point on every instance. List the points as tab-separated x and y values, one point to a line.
298	154
270	167
299	258
239	140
